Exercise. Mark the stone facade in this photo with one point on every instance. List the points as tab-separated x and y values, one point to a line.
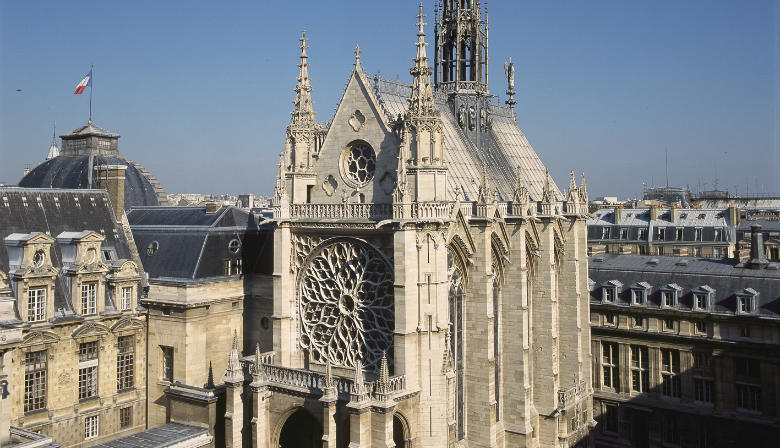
69	288
424	293
685	352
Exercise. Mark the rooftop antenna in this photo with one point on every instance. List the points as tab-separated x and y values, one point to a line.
666	153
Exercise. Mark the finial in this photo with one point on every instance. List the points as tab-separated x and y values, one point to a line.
420	23
303	40
357	56
583	190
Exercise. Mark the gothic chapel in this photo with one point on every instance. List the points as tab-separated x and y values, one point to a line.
430	283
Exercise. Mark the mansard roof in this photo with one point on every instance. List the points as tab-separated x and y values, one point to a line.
191	245
54	212
723	277
502	151
686	217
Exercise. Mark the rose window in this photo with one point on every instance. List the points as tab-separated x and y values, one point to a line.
359	163
346	305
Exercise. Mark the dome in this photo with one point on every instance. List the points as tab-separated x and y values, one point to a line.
83	150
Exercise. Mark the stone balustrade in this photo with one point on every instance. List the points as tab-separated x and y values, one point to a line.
314	382
341	211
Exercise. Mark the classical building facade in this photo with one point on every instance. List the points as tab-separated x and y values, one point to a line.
73	338
429	278
685	351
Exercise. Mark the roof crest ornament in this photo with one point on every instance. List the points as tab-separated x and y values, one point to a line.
509	70
357	57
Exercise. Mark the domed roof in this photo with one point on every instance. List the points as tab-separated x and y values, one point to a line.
85	149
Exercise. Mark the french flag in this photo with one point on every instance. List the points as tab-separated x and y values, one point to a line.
87	81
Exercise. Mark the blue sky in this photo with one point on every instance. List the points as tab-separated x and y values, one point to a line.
201	91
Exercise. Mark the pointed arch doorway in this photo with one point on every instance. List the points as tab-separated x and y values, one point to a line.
300	430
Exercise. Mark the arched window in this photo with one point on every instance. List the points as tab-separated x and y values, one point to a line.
456	270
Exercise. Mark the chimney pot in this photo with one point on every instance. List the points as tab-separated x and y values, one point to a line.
757	252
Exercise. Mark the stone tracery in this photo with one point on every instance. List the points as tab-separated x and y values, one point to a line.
346	304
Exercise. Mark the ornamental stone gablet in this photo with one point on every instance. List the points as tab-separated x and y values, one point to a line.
345	302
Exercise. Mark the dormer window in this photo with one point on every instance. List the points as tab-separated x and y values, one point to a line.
639	292
716	235
661	234
89	298
609	294
36	305
39	258
643	234
746	301
679	234
126	298
605	233
669	295
702	298
624	234
697	234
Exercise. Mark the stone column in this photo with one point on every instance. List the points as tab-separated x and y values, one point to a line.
329	400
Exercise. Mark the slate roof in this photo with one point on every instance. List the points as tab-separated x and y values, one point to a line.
504	149
53	211
192	245
726	277
158	437
686	217
63	171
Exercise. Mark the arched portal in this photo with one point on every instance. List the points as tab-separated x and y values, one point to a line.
400	431
300	430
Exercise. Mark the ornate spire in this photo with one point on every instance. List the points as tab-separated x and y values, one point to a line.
484	190
583	190
280	191
383	383
548	195
257	365
234	372
572	193
421	102
520	193
359	392
303	112
54	151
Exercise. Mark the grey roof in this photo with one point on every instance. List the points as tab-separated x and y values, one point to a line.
63	171
88	130
686	217
502	151
726	277
192	245
54	212
158	437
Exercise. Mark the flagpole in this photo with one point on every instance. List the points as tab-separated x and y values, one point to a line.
91	83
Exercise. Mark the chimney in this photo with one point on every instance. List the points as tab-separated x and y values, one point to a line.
733	216
757	251
653	212
618	213
213	207
112	179
673	214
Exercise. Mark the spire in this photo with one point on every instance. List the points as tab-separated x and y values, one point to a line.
280	191
54	150
257	366
583	190
572	183
520	193
359	392
303	112
421	102
383	383
234	373
548	196
464	70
